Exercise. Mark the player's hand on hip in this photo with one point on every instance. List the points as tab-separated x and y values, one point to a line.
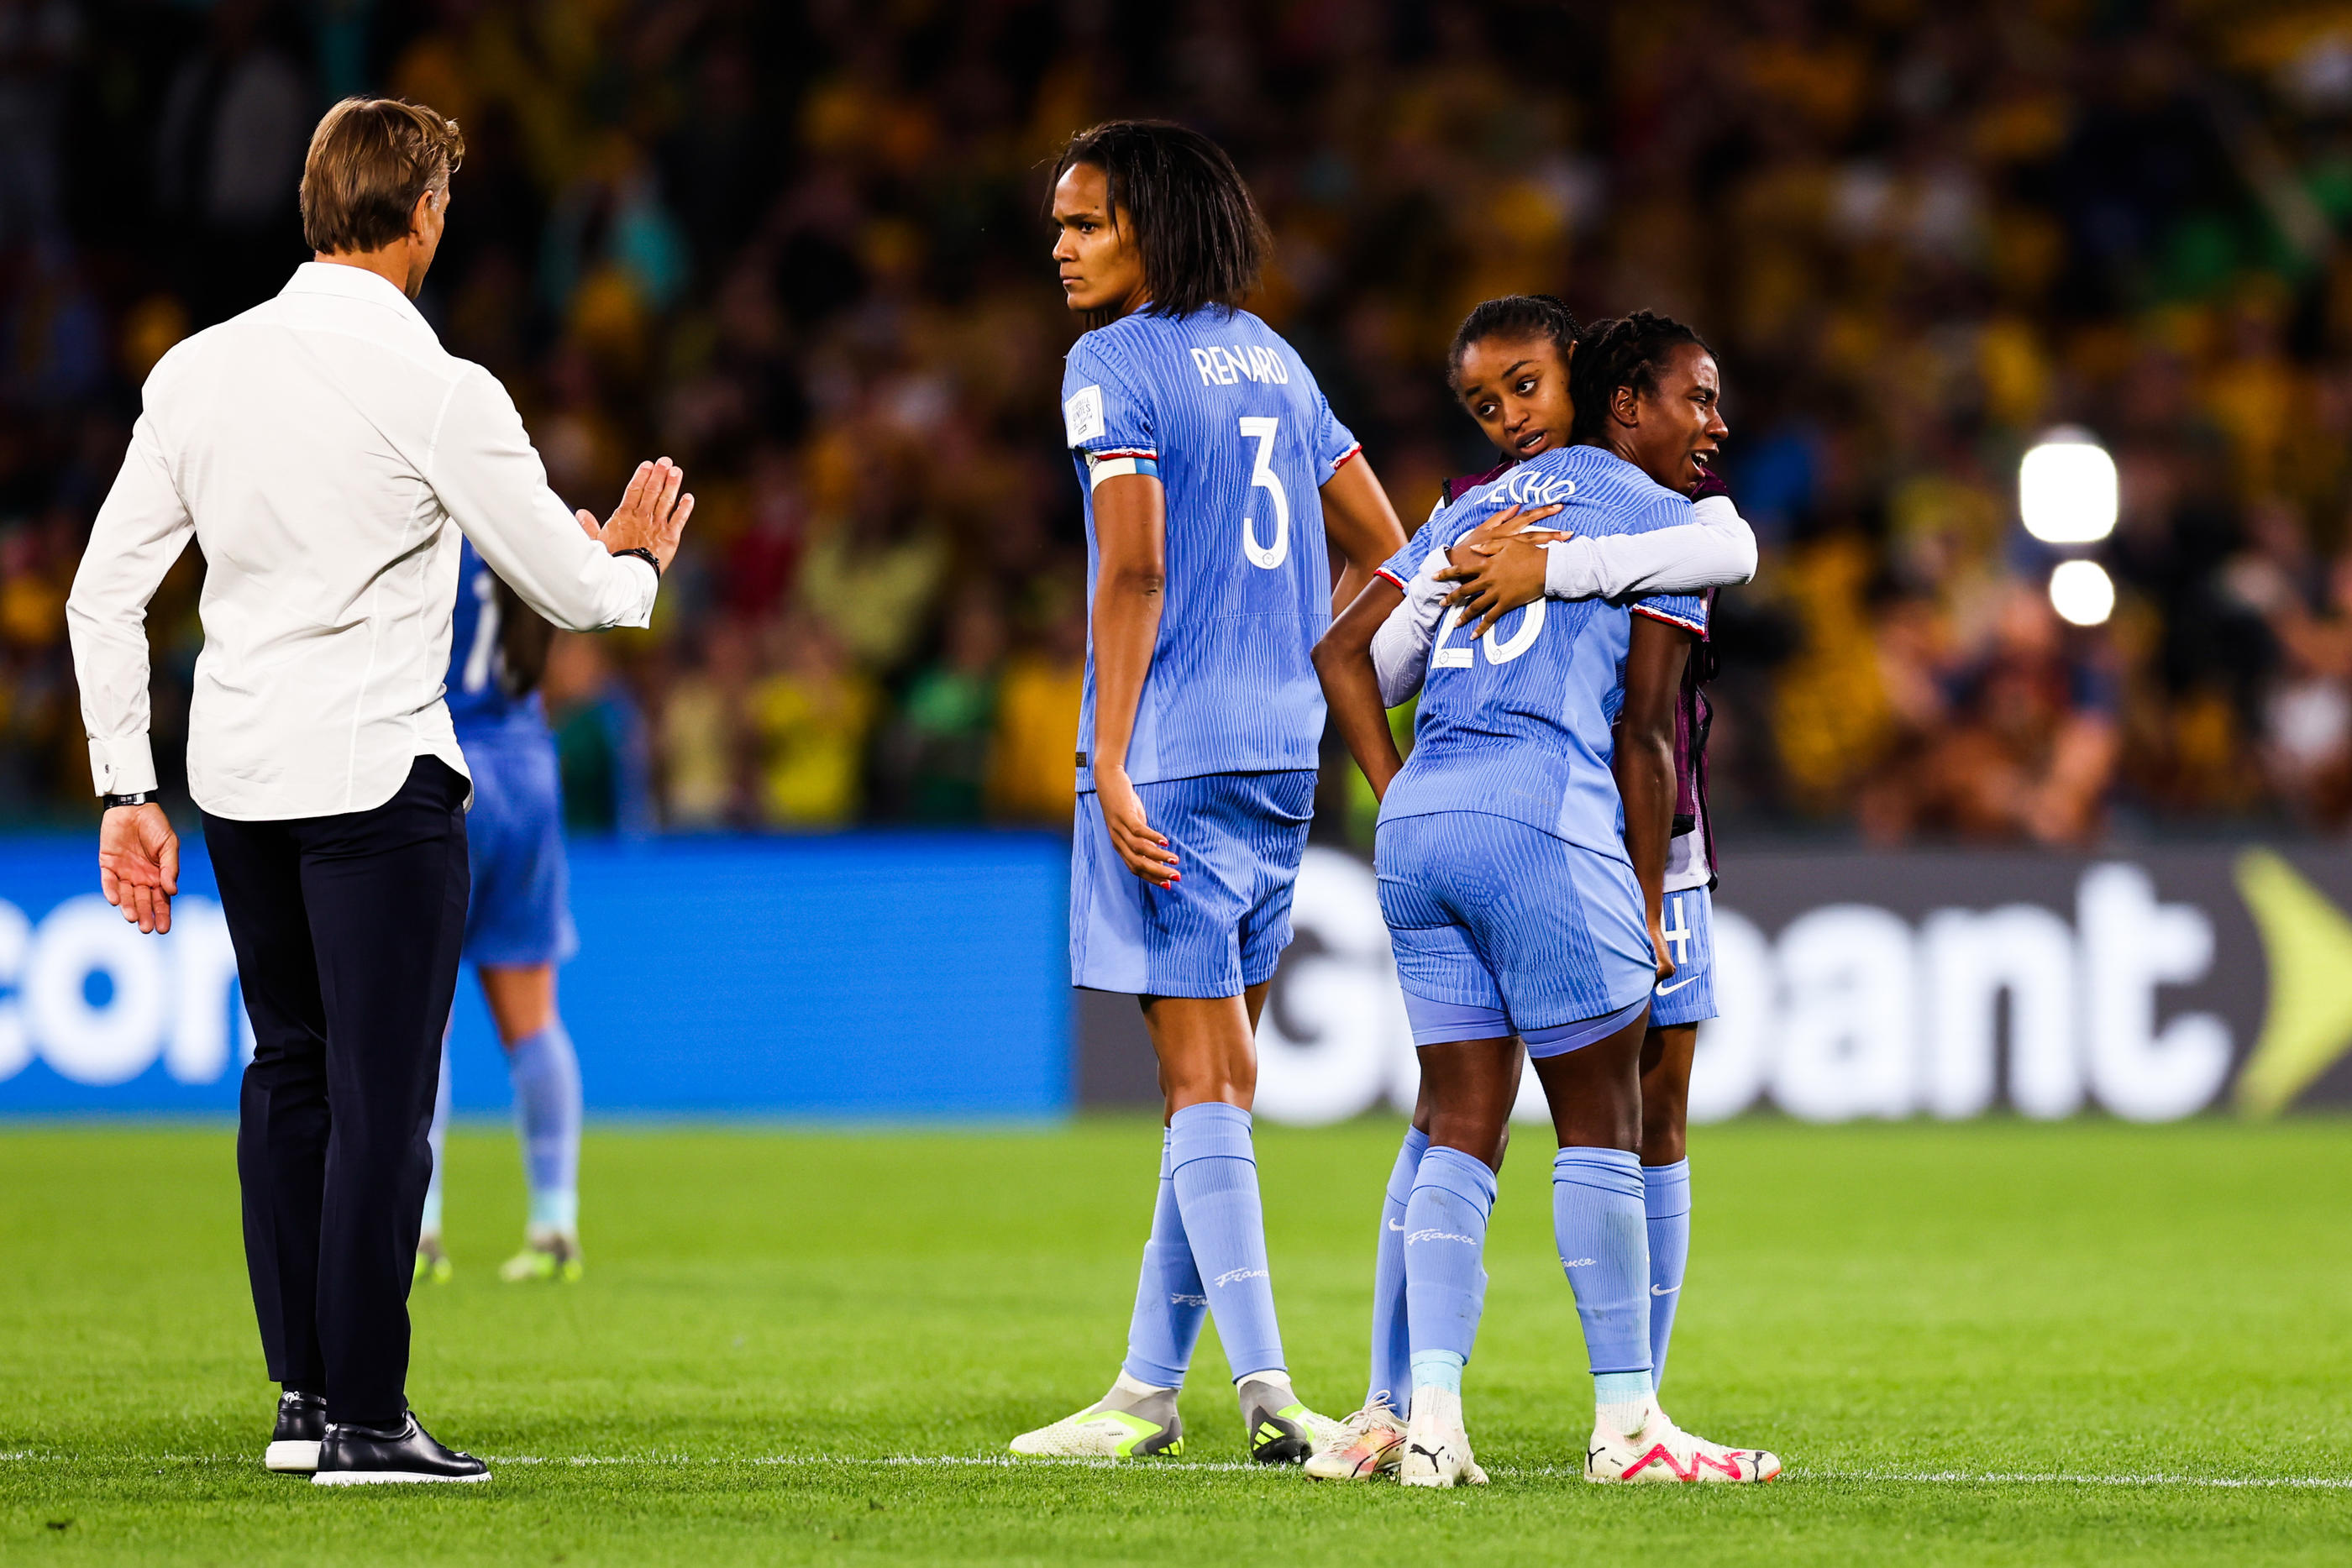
1145	852
1492	579
652	514
139	864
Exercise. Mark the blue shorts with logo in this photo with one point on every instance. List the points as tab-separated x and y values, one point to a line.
1686	996
1238	839
1502	928
520	915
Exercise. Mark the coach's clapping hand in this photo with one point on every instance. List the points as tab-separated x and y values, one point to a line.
139	863
652	514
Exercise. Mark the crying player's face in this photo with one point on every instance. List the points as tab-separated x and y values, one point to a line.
1101	265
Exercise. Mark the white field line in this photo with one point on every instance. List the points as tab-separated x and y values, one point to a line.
1510	1472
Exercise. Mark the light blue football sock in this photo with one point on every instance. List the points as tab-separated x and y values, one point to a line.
1215	1174
1605	1250
1621	1400
1438	1369
1391	1345
1445	1254
438	1138
1666	1206
1169	1300
546	1076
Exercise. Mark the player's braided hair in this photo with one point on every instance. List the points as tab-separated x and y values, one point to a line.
1628	351
1203	242
1516	317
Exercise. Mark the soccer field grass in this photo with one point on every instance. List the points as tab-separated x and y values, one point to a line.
1988	1342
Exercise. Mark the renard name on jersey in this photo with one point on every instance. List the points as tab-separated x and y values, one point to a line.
1222	413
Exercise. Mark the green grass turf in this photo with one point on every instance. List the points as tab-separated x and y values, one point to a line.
768	1316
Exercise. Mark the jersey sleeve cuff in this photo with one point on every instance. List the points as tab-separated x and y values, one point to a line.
1120	461
1385	572
1346	458
1696	628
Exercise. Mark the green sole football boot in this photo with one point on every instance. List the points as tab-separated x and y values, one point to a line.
1133	1421
553	1256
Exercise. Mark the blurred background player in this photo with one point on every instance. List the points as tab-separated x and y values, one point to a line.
1522	856
1509	367
1211	467
518	924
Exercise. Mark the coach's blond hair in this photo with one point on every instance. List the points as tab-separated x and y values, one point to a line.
369	158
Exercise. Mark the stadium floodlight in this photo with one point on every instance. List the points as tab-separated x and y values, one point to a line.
2082	592
2066	488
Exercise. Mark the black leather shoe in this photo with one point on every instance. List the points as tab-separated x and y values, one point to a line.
357	1456
294	1441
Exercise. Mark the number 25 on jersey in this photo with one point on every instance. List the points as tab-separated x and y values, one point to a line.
1445	656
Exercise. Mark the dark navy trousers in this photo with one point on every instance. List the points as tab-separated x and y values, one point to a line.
347	931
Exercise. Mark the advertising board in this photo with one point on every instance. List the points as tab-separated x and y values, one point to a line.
891	977
2149	985
879	976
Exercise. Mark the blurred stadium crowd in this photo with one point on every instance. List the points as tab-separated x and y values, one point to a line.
799	248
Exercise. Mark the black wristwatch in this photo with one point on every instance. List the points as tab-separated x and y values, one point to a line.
645	555
138	799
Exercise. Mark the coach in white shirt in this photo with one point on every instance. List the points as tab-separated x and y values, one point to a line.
320	447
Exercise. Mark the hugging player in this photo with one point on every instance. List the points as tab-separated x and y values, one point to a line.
1648	399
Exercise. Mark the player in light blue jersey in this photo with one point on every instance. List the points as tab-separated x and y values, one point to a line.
1212	470
1521	855
1509	366
518	925
1518	399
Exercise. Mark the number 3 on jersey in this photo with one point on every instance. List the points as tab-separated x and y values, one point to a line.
1262	429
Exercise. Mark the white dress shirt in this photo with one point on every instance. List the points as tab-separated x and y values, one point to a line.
319	446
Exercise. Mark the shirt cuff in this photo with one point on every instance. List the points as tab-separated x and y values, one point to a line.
1571	569
123	766
644	614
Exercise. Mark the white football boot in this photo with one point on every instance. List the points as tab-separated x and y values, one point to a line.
1369	1443
1436	1448
1132	1421
1658	1450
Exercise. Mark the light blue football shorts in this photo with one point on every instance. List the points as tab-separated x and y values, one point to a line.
520	916
1686	996
1501	928
1238	839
